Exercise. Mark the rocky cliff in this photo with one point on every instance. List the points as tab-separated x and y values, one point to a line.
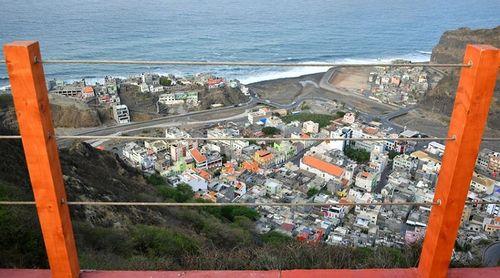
450	49
66	112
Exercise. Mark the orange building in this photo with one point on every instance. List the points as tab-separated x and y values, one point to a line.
263	157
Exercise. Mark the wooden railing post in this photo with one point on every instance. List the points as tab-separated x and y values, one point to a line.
468	120
31	101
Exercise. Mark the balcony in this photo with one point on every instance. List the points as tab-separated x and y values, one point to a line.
472	102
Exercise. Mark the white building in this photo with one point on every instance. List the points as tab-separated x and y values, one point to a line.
195	181
405	162
156	146
254	117
366	181
349	118
121	114
482	184
310	127
272	186
435	148
135	153
169	99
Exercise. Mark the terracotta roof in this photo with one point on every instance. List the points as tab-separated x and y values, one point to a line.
195	153
262	153
88	90
287	226
204	174
323	166
214	81
370	130
250	166
239	185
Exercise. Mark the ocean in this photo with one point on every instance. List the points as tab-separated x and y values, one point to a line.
233	30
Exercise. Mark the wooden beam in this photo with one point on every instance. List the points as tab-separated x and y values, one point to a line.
31	101
468	120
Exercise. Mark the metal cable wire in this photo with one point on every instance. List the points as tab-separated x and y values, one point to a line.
274	204
121	137
244	63
128	138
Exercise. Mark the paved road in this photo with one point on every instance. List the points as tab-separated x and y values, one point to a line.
385	119
491	255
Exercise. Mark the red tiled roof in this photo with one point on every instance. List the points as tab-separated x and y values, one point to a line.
323	166
250	166
88	90
262	153
198	157
287	226
215	81
204	174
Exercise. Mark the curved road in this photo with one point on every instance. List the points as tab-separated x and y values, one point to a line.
254	101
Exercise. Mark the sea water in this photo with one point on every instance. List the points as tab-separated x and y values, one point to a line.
233	30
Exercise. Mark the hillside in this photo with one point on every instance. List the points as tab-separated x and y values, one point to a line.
450	49
66	112
155	238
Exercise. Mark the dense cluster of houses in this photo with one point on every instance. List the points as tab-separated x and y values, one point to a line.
236	170
400	86
170	90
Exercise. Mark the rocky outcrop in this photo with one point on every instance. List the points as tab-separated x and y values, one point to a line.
451	49
451	46
66	112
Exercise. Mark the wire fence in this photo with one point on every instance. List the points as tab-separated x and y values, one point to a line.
129	138
243	63
257	204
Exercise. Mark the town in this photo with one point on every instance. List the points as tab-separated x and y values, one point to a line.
237	163
153	94
226	167
400	86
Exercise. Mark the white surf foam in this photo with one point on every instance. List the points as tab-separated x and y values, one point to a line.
298	71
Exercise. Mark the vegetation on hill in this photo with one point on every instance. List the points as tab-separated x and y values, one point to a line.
165	81
269	130
154	237
322	119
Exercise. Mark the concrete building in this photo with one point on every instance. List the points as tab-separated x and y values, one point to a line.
121	114
195	181
405	162
323	169
349	118
310	127
366	181
482	184
273	186
68	91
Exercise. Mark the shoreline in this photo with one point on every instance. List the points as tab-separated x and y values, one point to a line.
273	73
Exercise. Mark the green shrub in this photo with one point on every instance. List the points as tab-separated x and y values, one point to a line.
358	155
165	81
275	238
156	180
181	193
322	119
269	130
160	242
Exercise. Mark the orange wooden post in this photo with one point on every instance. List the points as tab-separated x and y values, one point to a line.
468	120
31	101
